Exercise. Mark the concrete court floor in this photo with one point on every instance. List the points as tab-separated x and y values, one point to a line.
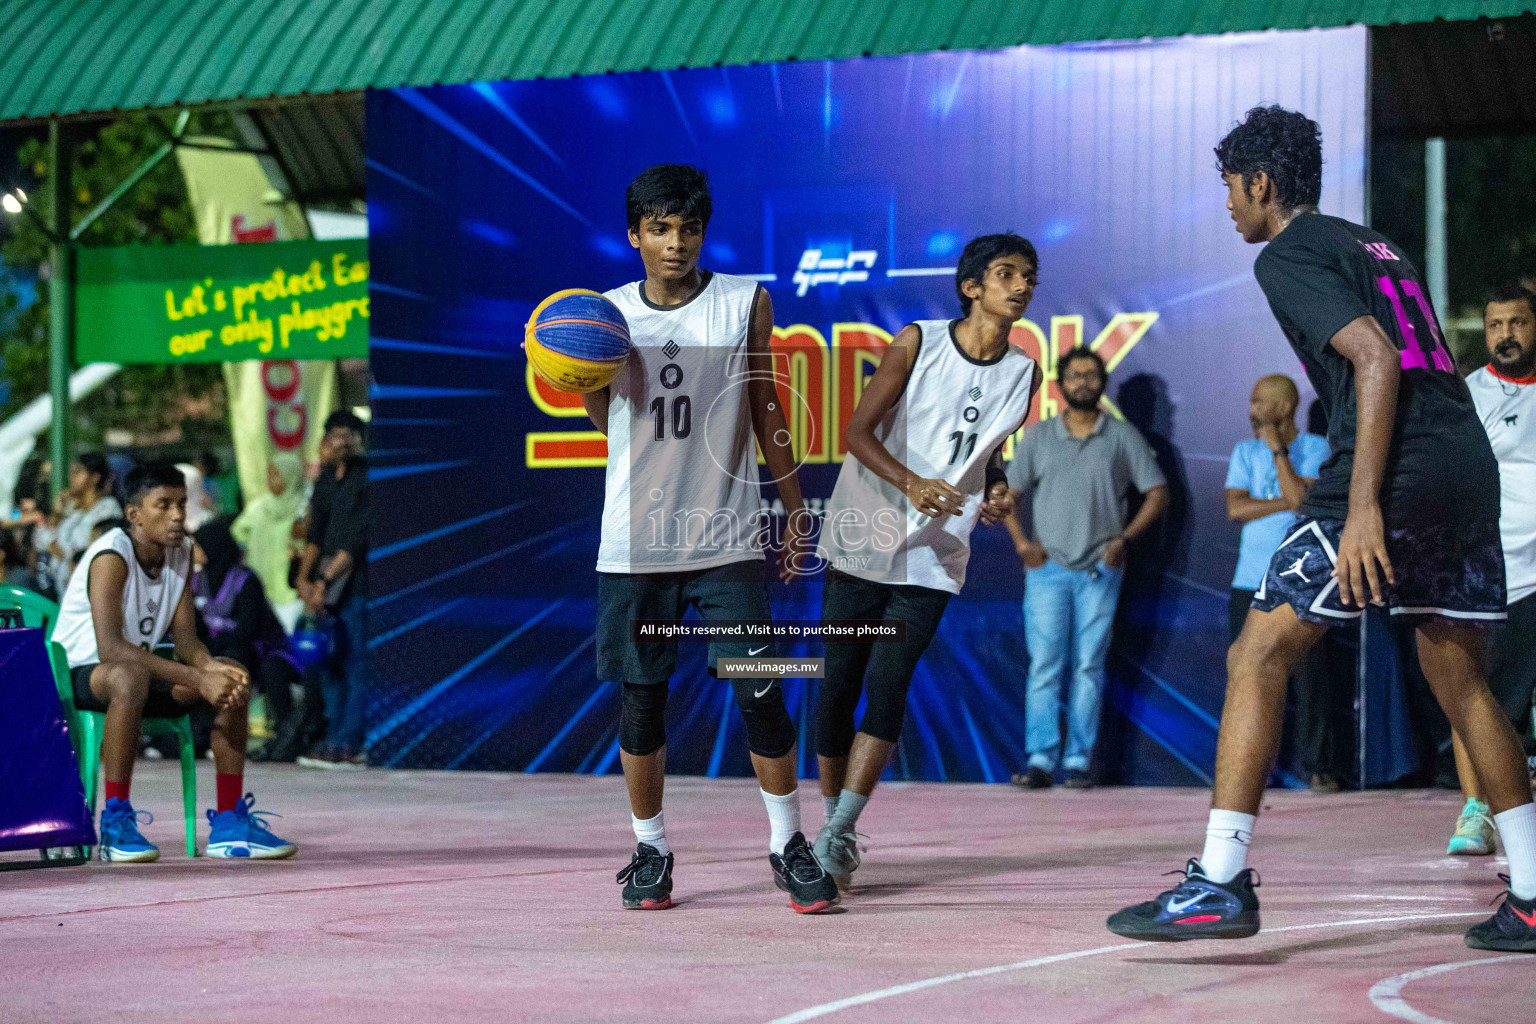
469	897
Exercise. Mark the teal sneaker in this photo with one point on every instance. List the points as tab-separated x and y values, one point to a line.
242	833
1475	835
121	840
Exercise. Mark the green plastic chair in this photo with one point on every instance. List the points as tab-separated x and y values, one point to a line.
86	727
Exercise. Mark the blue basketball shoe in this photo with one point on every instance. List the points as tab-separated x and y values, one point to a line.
243	833
1196	908
121	840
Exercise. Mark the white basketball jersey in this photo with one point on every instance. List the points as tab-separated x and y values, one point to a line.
148	604
682	489
952	415
1508	412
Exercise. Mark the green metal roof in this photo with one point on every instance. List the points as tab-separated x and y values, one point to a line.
71	57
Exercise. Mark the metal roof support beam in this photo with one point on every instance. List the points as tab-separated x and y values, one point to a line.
161	152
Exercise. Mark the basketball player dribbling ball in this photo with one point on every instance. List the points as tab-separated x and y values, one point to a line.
924	464
681	519
1405	515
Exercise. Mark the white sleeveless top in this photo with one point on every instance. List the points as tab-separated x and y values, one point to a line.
953	413
682	490
148	604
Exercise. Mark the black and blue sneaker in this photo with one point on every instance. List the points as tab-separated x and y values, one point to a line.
811	890
1197	908
1511	930
647	880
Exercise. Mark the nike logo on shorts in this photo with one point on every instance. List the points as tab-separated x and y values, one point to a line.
753	654
759	693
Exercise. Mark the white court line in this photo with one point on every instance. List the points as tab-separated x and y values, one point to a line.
1385	997
915	986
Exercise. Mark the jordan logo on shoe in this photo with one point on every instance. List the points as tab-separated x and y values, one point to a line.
1295	569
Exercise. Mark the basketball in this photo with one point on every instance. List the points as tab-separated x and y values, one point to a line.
577	340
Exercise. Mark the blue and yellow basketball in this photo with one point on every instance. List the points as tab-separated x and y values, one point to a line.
577	340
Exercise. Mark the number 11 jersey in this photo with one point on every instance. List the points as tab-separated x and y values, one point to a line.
1320	274
682	490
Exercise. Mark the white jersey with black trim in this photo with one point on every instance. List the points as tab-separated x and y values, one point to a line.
149	603
1508	411
952	414
682	489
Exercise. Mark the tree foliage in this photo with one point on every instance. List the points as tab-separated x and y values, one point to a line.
141	399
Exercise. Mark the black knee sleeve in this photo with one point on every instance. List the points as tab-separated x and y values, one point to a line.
770	732
643	718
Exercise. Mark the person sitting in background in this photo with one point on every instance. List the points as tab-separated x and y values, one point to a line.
130	592
333	580
265	530
1267	478
239	621
90	502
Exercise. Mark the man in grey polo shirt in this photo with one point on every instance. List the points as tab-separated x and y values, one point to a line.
1079	468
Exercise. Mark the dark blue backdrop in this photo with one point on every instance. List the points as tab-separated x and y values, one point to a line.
485	198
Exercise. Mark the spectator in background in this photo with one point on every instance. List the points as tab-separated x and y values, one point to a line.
90	501
333	580
1080	467
13	567
1504	392
239	621
1267	478
265	530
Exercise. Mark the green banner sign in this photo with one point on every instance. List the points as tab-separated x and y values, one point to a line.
222	303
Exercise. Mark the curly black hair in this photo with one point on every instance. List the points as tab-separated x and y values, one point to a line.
668	190
978	255
1283	144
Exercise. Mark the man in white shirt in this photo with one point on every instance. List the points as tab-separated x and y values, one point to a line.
1504	392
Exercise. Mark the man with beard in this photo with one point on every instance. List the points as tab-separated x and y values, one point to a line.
1504	392
1079	468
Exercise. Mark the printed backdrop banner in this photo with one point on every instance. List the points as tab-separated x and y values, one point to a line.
848	189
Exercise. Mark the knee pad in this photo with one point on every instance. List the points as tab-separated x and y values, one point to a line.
642	718
770	732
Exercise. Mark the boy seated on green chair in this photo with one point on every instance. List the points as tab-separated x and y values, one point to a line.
130	590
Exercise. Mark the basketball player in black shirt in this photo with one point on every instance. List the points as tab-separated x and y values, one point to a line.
1405	514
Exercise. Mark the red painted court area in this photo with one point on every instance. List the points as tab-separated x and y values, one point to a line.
467	897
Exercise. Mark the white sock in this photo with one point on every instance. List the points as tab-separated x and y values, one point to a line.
849	804
783	819
652	832
830	804
1227	835
1517	830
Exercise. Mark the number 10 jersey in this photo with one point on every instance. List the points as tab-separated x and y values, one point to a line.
682	490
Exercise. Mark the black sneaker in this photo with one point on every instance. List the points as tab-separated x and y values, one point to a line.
647	880
811	890
1074	779
1511	930
1032	778
1197	908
